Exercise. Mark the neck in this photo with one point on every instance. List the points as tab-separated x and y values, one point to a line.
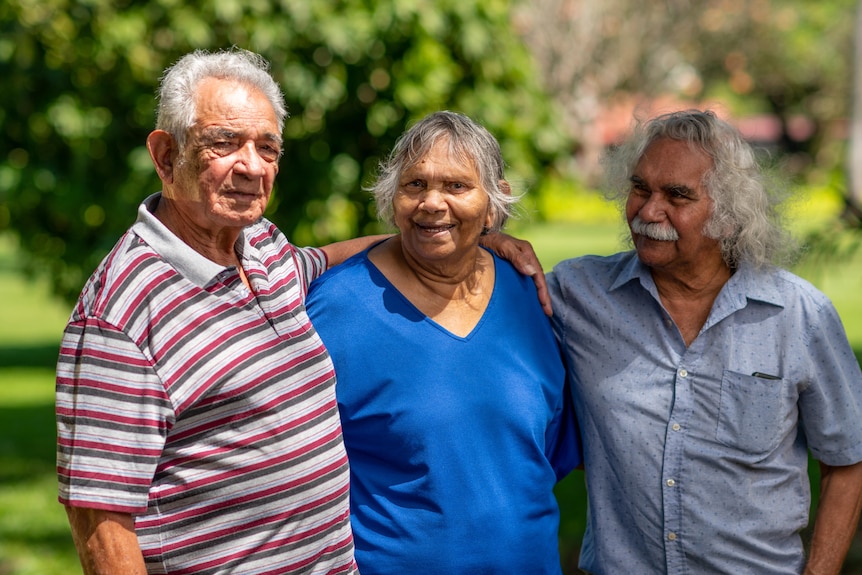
688	298
705	279
459	280
455	296
215	245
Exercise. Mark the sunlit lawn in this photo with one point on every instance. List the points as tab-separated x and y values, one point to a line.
34	536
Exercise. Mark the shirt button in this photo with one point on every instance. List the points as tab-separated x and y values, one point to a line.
675	427
683	373
671	536
671	482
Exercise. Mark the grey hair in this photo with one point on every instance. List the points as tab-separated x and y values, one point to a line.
176	111
468	141
745	216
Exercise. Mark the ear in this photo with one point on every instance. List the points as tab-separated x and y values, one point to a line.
492	221
164	152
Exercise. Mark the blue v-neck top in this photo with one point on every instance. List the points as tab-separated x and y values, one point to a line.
455	443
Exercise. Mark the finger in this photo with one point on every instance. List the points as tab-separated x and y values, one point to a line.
543	293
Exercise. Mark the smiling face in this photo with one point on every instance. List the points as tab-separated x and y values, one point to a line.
440	207
226	172
667	194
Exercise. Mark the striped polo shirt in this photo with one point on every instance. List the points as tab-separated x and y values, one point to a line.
205	409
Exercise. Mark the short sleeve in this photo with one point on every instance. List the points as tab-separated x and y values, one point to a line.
831	406
310	263
112	419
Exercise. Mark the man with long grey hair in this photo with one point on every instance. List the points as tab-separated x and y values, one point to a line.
703	374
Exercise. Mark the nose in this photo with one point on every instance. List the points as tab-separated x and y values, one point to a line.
249	161
432	200
652	208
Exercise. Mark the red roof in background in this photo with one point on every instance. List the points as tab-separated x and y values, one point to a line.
618	116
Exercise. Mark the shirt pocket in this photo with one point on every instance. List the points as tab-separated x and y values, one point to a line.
749	417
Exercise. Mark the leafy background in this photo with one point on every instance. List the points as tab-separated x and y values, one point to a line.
558	81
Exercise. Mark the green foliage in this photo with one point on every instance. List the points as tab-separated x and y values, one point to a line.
788	58
79	80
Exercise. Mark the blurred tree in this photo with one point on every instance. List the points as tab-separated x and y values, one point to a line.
79	79
853	210
788	59
588	52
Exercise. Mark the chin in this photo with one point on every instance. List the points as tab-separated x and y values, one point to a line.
241	219
652	257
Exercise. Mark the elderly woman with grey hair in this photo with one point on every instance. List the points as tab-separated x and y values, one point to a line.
449	380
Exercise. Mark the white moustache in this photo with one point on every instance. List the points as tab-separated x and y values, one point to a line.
654	231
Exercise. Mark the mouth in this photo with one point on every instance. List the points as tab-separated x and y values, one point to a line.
651	238
434	228
241	195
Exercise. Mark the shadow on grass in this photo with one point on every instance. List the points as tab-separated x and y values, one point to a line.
27	442
34	535
60	540
41	355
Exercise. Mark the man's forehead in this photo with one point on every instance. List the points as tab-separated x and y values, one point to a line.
231	101
674	156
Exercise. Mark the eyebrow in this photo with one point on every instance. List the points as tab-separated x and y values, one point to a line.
216	132
681	189
272	137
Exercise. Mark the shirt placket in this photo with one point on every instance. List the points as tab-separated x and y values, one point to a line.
673	482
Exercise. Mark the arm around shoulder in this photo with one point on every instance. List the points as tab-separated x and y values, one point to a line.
338	252
106	541
837	518
522	256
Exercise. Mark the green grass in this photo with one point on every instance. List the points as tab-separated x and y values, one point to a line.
34	534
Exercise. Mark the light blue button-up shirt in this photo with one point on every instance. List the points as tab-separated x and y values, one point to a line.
696	457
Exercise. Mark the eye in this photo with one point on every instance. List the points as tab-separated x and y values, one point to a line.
269	153
458	187
679	193
223	147
639	189
413	185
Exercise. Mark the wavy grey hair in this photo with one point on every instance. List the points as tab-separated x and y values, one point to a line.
468	141
745	217
176	111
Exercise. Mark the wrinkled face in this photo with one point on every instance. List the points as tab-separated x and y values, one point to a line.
441	207
225	175
668	207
